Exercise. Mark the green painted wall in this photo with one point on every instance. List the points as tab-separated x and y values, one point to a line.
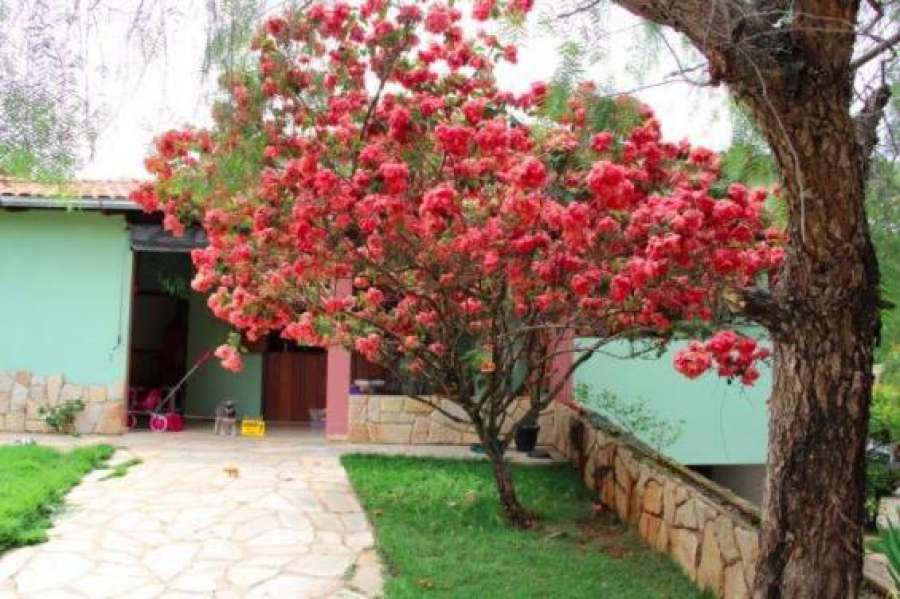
213	384
65	281
723	424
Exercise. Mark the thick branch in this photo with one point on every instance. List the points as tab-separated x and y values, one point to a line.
708	23
756	304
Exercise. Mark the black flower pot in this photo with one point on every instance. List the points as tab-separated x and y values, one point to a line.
526	437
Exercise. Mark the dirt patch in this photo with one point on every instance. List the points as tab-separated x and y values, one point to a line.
604	532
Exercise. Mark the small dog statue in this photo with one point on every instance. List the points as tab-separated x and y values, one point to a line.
226	419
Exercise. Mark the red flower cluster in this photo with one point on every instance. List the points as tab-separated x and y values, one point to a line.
733	355
230	357
374	146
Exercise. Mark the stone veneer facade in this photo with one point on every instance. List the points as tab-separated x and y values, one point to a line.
710	532
398	419
22	394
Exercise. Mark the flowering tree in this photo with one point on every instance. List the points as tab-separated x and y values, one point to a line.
370	186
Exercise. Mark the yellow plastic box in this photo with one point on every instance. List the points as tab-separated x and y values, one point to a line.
251	427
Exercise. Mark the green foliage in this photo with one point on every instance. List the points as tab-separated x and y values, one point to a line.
635	416
175	285
61	417
617	115
888	544
746	163
440	530
39	141
884	422
236	170
883	210
33	482
571	64
646	47
749	161
231	24
881	481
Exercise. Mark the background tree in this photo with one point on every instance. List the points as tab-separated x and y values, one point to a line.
814	76
40	112
57	59
368	184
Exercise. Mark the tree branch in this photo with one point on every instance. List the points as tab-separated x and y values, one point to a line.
756	304
579	9
875	51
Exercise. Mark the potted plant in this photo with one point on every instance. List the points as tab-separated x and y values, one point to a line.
527	435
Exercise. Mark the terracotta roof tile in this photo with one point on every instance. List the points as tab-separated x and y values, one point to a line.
84	189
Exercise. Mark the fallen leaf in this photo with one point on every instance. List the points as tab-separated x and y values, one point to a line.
425	583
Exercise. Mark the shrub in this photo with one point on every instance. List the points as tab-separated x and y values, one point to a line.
635	416
884	423
61	418
888	544
881	480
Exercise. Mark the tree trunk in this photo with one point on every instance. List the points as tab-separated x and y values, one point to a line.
811	543
513	510
796	77
824	321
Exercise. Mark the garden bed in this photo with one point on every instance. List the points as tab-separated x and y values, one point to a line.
440	533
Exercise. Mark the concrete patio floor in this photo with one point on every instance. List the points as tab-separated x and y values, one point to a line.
288	525
179	525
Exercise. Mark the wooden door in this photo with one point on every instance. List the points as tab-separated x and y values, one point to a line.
294	383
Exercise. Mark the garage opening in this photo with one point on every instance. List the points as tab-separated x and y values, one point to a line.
172	329
159	329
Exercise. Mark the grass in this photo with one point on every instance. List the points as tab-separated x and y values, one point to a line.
120	470
33	482
440	533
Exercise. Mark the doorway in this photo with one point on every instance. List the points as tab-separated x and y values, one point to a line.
159	324
295	382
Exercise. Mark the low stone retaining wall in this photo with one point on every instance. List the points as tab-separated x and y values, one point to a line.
711	532
395	419
22	394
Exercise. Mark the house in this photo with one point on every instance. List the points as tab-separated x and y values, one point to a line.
95	303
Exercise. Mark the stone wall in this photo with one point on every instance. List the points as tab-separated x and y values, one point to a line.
22	394
708	530
401	419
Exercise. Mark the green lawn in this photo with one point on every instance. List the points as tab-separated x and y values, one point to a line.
440	534
33	482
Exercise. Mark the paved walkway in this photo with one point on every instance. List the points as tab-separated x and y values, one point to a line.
181	525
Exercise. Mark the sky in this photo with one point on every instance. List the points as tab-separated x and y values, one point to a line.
170	91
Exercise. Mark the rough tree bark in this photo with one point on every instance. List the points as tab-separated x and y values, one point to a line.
824	324
513	509
495	449
796	79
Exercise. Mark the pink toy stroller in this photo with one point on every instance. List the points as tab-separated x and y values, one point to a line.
160	409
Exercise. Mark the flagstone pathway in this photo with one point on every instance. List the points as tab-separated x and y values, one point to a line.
181	524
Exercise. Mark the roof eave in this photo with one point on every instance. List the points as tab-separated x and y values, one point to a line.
68	203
